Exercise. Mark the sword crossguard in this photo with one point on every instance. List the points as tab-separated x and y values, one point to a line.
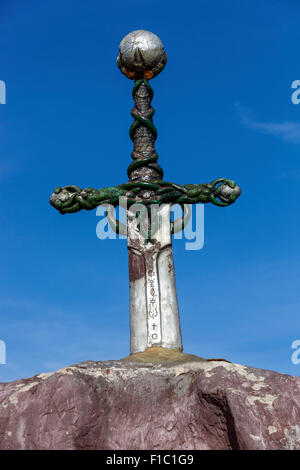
221	192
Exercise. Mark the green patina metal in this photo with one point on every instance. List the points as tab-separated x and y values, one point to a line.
73	199
139	120
142	120
220	192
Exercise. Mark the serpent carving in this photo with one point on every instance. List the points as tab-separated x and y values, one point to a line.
144	154
146	185
221	192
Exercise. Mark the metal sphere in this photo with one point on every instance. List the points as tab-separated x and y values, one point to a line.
228	192
141	55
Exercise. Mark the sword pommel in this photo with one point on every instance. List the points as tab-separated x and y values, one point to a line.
141	55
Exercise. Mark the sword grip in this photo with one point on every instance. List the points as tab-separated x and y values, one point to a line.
143	133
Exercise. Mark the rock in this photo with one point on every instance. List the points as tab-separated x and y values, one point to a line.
182	402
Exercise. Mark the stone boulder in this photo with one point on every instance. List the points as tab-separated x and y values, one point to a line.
153	400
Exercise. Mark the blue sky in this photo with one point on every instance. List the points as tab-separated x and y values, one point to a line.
223	109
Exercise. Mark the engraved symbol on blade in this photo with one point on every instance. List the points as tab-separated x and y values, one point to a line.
152	310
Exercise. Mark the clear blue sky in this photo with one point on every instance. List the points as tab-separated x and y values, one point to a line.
223	109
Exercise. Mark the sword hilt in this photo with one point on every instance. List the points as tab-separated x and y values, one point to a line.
143	133
142	57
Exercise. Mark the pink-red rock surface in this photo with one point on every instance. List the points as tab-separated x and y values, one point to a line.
128	405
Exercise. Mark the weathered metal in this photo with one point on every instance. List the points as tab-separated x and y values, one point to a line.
141	54
221	192
154	317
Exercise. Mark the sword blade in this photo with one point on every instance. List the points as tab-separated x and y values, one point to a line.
154	316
